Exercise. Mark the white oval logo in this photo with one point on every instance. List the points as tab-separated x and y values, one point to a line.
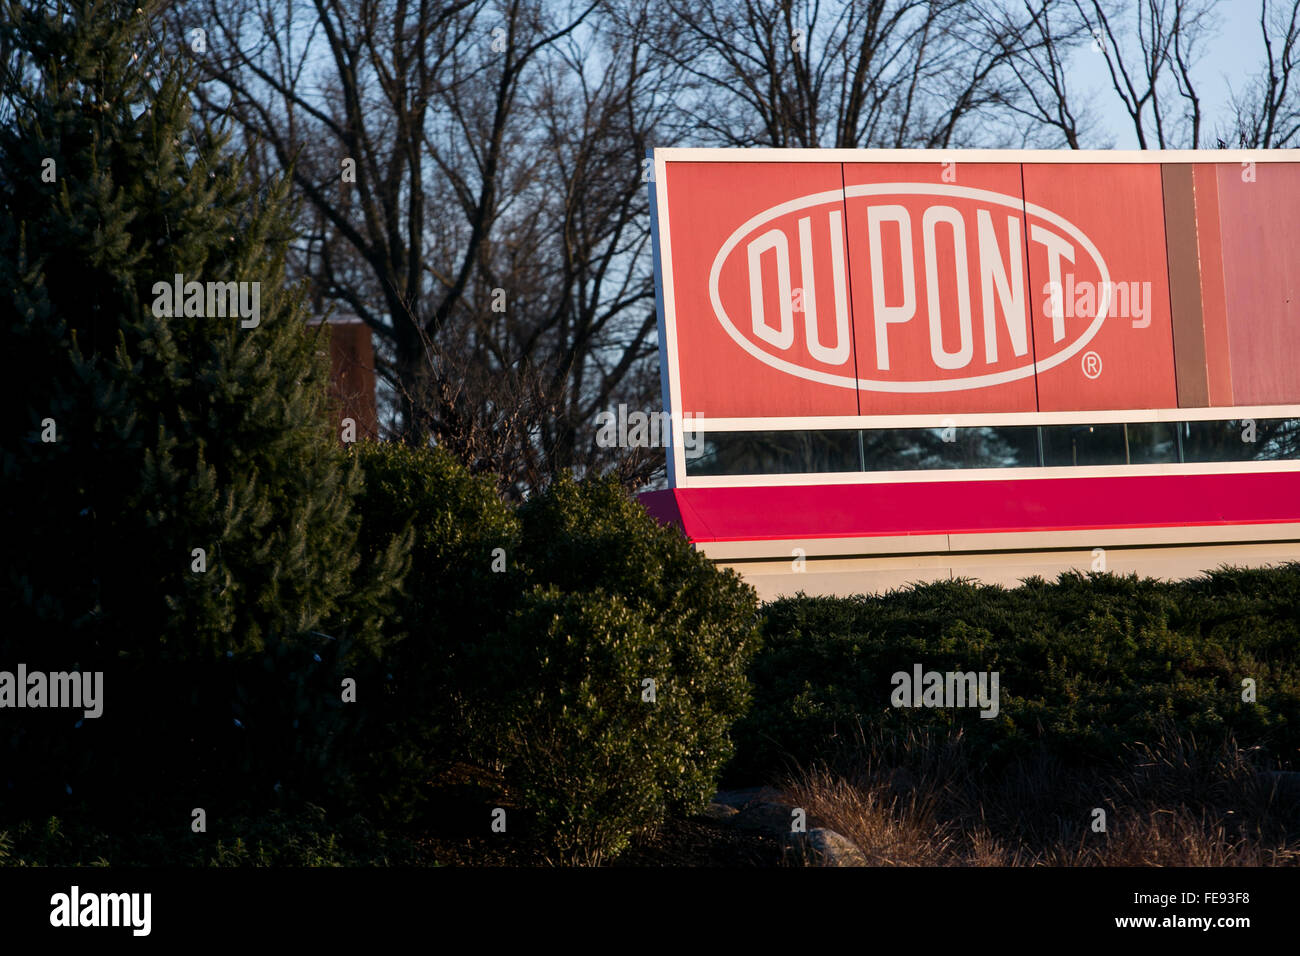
963	247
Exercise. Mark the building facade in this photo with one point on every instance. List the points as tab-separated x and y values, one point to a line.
891	366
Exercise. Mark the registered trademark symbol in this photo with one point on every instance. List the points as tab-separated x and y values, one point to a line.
1091	364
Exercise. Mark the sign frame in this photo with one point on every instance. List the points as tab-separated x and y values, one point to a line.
670	378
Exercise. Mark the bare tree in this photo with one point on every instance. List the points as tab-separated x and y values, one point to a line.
1266	113
471	170
862	73
472	184
1150	61
1150	51
1051	32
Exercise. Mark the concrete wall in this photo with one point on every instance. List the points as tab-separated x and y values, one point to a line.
856	566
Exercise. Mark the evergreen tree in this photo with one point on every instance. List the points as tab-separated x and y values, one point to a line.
189	530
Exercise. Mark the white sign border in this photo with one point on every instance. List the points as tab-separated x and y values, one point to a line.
665	301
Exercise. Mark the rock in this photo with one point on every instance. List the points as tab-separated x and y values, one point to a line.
774	818
719	813
737	798
823	847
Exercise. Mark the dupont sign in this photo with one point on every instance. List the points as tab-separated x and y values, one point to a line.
853	287
954	249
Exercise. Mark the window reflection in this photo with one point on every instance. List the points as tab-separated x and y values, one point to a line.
1006	446
1262	439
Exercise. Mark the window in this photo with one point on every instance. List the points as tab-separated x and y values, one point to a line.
922	449
1152	443
1264	439
777	453
956	448
1072	445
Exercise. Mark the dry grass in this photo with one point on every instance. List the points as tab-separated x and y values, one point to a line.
921	802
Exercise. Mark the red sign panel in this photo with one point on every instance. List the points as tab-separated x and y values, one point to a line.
844	288
748	345
940	288
1097	263
1258	206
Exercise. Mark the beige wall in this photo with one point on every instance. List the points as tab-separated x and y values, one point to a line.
855	566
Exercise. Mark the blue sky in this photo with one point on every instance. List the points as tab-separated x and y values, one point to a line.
1232	53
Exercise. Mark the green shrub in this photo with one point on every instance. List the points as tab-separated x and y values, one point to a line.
556	695
531	659
589	760
174	433
1087	664
451	523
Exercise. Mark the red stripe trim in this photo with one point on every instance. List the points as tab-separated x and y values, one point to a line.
976	507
